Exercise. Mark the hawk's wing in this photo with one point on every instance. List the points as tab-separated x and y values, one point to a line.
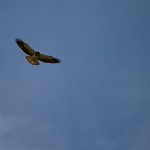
25	47
48	59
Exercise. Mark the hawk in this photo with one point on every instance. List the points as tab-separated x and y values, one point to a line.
34	56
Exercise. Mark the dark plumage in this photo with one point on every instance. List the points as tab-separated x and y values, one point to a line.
34	56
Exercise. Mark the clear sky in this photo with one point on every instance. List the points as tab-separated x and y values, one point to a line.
98	98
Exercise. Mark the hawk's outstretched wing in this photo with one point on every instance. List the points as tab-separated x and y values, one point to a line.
25	47
48	59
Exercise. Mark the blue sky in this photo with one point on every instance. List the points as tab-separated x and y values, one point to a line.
98	97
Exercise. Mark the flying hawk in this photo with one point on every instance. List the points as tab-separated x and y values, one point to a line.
33	56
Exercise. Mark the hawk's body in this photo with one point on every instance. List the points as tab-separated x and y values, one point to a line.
33	60
33	56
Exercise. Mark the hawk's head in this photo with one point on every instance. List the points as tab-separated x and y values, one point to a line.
37	53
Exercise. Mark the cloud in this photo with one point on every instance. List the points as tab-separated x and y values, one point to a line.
141	141
27	133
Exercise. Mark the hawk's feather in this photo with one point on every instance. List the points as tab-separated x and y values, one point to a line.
25	47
